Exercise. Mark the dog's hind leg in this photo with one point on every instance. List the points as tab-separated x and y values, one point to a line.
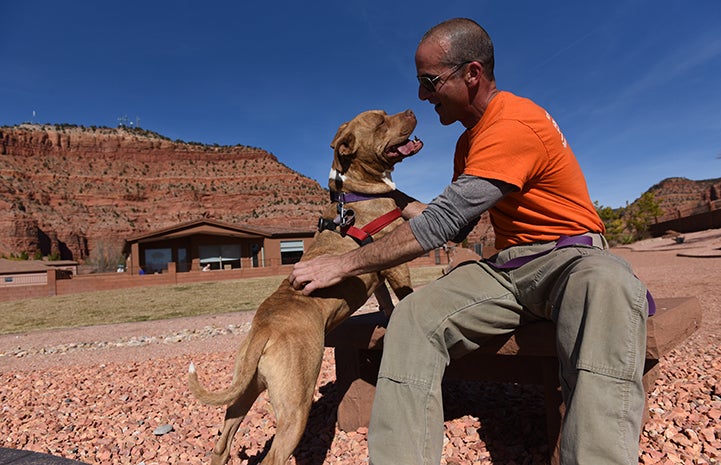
291	385
234	415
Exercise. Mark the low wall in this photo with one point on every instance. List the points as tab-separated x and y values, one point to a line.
25	292
56	285
698	222
108	281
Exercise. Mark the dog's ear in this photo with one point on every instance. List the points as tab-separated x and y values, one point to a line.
344	148
338	135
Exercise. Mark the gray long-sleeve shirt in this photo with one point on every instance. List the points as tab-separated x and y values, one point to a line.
454	213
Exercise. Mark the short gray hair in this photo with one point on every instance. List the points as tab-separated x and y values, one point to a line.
467	41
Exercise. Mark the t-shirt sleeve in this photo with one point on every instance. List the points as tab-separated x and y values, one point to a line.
452	215
508	151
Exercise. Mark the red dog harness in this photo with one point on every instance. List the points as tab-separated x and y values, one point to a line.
345	221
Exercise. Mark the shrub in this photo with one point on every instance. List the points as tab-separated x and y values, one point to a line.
630	223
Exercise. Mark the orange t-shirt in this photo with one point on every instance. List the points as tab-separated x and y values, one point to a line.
518	142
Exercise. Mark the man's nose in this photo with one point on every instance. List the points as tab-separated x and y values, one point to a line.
423	93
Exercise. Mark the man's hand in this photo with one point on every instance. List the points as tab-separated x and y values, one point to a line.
317	273
327	270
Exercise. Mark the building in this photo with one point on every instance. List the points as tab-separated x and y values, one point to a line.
213	245
166	256
30	272
25	279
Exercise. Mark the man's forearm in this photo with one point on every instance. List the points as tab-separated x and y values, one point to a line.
391	250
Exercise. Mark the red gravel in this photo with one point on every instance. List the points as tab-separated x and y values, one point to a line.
98	394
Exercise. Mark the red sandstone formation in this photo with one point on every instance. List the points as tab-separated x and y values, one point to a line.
69	190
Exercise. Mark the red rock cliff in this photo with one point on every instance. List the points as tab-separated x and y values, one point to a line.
68	189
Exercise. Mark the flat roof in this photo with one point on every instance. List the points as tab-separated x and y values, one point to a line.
22	266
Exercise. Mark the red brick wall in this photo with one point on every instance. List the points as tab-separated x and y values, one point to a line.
108	281
24	292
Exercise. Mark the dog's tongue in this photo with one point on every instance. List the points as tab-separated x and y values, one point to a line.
411	147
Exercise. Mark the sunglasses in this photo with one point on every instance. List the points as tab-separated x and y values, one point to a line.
429	82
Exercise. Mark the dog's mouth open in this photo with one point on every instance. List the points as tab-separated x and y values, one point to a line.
405	149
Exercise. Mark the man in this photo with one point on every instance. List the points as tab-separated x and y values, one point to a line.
514	161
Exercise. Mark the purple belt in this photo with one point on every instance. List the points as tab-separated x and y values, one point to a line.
563	241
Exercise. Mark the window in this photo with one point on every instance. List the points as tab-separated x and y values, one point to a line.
220	257
254	251
183	264
290	252
156	260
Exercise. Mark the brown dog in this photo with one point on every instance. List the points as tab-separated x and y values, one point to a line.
284	349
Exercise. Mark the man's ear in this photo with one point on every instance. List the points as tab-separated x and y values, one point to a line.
474	72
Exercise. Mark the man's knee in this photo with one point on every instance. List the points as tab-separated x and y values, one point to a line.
416	315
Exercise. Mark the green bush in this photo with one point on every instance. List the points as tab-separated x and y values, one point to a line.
630	223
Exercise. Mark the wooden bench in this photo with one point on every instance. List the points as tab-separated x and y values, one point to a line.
527	356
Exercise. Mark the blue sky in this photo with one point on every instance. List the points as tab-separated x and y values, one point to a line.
635	85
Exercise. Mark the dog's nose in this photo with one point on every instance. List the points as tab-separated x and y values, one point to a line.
409	115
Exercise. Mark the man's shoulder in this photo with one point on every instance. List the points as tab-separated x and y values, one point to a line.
507	113
510	112
510	103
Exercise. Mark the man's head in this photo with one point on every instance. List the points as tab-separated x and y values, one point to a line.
454	62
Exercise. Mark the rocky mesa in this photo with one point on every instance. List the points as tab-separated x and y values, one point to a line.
68	190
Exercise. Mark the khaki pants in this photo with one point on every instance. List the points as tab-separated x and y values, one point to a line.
600	312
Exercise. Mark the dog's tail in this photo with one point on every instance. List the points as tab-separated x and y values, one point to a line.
245	369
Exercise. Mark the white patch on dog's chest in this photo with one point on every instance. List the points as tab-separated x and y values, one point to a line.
335	175
388	180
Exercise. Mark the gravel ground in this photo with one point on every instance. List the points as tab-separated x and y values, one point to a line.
116	394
